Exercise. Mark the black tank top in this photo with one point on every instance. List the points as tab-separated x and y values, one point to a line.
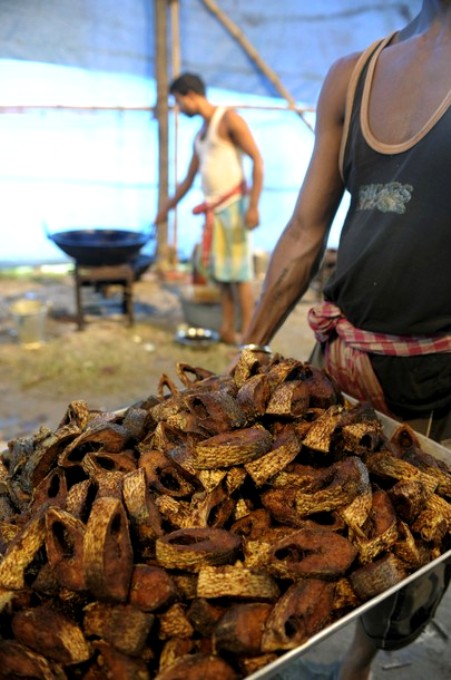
393	272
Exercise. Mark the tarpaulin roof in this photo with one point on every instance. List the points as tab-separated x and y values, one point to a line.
67	162
298	39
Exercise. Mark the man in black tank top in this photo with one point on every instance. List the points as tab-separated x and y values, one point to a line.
383	132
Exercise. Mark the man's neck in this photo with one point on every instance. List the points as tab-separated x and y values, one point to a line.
435	15
206	110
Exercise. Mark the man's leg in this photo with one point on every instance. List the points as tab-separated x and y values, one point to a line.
227	329
246	302
356	664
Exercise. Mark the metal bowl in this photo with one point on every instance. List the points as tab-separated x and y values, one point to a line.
196	337
96	247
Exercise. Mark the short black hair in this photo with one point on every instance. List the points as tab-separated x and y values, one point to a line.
187	82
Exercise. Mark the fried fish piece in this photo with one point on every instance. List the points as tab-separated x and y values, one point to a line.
64	537
198	667
20	553
236	581
320	434
269	464
303	610
108	553
253	396
163	476
373	578
313	554
174	623
409	498
48	632
197	373
415	552
204	615
240	629
336	487
434	522
193	548
215	412
122	625
233	448
323	391
291	398
151	588
387	466
141	507
115	664
380	530
18	661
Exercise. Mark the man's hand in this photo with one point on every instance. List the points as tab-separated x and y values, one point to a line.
252	218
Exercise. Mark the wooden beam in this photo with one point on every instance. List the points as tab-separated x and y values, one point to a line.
162	115
252	53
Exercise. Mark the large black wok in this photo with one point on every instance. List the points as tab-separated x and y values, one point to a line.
96	247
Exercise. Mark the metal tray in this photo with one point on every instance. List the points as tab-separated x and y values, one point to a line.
196	337
275	667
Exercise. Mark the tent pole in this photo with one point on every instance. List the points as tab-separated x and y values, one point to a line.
175	36
176	61
254	55
162	115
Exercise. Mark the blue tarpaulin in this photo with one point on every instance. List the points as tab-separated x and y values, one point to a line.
65	163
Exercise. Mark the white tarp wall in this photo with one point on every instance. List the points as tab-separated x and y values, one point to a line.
73	167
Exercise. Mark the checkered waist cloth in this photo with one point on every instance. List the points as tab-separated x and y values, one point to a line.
347	349
208	210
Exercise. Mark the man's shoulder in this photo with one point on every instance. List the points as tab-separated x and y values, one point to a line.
344	66
339	78
230	121
229	114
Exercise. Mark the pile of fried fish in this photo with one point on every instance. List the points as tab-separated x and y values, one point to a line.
209	528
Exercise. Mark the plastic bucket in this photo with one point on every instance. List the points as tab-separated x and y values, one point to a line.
29	318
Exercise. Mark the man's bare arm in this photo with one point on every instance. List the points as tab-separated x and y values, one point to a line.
300	247
181	190
239	133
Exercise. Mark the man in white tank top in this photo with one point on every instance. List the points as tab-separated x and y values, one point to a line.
230	208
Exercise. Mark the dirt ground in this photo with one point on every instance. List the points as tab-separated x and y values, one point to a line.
111	365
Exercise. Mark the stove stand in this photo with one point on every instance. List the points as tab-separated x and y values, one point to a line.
122	274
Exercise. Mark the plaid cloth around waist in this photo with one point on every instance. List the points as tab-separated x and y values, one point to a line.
347	349
208	210
326	319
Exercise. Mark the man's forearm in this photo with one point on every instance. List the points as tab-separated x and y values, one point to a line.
180	191
276	303
288	277
257	183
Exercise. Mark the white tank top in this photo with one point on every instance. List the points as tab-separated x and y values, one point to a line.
221	165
